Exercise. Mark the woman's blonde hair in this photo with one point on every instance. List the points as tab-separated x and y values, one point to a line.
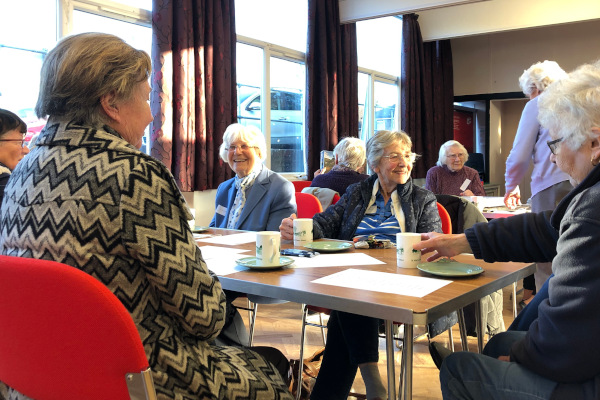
83	68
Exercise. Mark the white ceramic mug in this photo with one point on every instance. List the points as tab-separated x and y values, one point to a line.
303	231
406	257
268	245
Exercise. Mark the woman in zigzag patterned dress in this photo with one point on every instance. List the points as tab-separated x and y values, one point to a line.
87	197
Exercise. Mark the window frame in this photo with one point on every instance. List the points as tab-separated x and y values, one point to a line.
373	77
286	54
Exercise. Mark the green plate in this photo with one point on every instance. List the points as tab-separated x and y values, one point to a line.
199	229
251	262
450	268
328	247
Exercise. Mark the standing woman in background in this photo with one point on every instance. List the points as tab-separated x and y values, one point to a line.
548	183
12	145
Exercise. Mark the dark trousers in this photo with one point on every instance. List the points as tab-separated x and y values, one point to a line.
351	340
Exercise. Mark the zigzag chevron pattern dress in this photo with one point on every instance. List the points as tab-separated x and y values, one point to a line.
86	198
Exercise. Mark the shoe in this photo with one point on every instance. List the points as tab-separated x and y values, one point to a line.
438	353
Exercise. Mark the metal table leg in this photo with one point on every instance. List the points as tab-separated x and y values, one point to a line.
389	349
407	363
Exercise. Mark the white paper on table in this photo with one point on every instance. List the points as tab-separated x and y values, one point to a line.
335	260
225	264
209	252
465	184
405	285
231	240
198	236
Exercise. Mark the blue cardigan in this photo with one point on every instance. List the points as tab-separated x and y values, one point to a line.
270	199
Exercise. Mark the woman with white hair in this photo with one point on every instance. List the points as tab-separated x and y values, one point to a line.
548	183
558	356
256	198
450	174
349	168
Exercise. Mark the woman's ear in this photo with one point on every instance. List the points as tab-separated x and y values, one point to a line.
595	143
109	106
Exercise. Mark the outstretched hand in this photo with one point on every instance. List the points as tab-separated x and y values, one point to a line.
287	228
442	245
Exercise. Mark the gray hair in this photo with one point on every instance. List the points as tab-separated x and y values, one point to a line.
450	143
249	134
377	144
83	68
539	76
571	107
350	153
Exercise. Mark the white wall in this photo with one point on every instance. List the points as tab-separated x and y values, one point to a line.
492	63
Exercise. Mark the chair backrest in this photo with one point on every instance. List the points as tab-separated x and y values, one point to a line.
299	185
308	205
335	199
445	217
463	213
64	335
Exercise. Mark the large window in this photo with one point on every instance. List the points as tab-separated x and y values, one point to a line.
29	30
271	77
378	43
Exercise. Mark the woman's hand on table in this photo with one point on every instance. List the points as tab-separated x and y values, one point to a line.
467	193
442	245
513	198
287	228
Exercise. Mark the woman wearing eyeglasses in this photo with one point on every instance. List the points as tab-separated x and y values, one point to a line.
558	356
12	145
256	198
450	173
382	205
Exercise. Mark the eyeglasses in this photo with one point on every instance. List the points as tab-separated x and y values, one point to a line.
242	147
14	140
395	157
459	155
553	144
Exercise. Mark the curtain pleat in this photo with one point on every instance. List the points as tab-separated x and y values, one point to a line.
193	96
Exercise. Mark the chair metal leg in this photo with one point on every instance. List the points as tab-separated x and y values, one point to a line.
451	339
514	299
322	329
407	364
480	328
252	309
462	326
301	358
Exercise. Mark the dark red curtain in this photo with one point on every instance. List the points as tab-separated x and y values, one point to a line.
193	83
331	80
427	94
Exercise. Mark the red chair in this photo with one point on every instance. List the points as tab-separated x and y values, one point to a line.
299	185
336	198
445	217
308	205
66	336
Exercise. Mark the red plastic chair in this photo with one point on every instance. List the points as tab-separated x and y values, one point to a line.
336	198
308	205
445	217
299	185
66	336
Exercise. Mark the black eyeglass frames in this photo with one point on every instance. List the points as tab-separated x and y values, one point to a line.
553	144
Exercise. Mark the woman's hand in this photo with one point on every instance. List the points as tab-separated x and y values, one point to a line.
443	245
467	193
513	198
287	228
318	172
504	358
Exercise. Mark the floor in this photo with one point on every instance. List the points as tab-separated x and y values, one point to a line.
279	325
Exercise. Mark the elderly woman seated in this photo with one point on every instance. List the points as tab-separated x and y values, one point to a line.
558	357
12	145
382	205
256	199
87	197
451	176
